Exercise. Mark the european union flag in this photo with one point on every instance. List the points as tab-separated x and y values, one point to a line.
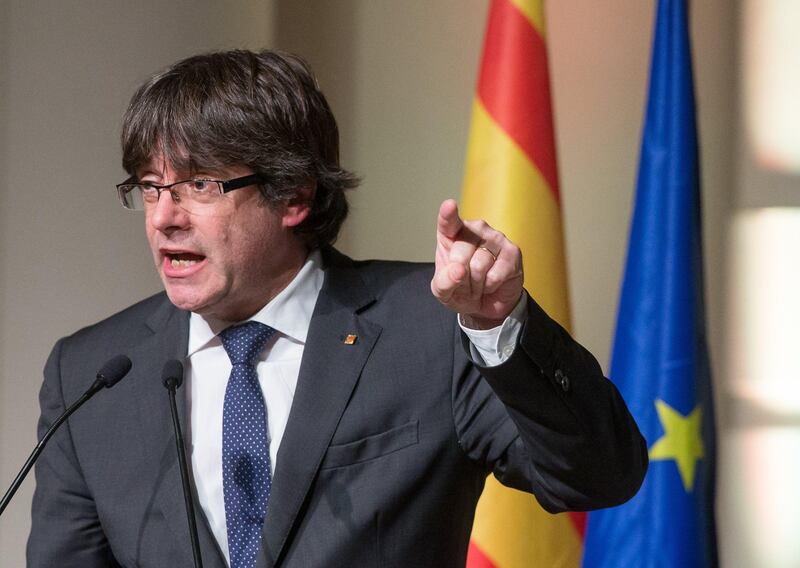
660	360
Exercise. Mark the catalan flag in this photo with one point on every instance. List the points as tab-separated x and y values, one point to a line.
660	360
511	181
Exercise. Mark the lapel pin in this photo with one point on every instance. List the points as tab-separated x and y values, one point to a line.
350	339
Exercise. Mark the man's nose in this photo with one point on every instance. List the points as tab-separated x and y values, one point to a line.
167	216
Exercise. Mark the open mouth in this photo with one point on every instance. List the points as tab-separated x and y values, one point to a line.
183	259
176	263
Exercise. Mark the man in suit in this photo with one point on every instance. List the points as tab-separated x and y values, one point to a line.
359	428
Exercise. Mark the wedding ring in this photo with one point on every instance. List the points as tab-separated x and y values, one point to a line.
494	256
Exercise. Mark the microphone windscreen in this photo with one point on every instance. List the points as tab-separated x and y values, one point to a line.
172	373
114	369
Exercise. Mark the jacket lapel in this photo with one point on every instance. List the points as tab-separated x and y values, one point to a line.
169	340
330	368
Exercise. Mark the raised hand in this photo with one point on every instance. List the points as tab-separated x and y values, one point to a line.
478	270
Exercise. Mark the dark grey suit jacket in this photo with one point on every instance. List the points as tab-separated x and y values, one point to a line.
385	453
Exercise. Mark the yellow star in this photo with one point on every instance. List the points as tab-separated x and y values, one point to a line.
681	440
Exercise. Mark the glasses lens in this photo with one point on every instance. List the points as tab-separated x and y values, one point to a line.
196	195
131	196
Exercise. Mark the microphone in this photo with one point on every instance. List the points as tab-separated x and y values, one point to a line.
108	375
172	377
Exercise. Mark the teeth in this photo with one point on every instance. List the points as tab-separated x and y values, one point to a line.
176	263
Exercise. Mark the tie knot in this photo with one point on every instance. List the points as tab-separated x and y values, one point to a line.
244	342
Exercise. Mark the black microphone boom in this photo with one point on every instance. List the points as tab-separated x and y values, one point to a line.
108	375
172	377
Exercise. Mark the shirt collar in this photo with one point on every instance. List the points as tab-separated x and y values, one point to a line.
289	312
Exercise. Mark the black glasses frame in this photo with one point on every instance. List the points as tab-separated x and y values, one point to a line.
226	185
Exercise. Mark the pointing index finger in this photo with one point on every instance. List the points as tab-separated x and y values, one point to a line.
449	223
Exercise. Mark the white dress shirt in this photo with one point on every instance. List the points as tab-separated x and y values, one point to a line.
278	367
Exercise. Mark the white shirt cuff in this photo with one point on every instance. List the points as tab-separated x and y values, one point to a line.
491	347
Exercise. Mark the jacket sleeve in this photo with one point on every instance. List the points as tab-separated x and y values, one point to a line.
65	529
548	422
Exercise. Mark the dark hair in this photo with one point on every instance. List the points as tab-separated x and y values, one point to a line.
263	110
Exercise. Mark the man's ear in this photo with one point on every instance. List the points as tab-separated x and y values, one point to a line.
298	208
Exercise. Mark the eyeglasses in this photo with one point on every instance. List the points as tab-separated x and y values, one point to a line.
193	195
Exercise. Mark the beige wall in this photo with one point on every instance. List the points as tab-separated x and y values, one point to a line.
400	76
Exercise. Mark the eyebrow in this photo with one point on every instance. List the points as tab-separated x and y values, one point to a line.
144	173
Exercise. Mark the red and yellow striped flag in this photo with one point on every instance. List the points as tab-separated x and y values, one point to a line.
511	181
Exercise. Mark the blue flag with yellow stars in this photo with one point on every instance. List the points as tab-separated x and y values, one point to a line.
660	360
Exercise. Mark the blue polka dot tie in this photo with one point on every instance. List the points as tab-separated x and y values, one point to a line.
246	475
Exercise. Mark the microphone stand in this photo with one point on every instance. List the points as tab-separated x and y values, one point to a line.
107	377
173	377
40	446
